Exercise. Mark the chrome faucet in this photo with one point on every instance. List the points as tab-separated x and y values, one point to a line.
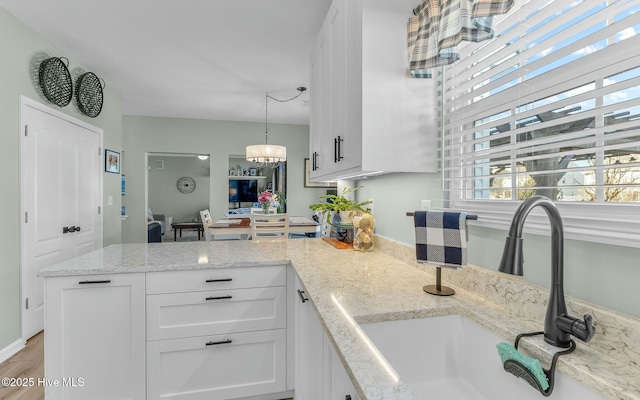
558	325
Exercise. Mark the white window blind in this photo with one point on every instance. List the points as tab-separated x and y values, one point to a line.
550	106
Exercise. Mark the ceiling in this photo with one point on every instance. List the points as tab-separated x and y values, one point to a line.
202	59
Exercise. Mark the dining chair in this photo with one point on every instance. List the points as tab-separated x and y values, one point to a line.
260	210
205	216
269	226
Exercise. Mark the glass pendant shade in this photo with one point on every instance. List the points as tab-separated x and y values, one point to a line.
269	154
266	154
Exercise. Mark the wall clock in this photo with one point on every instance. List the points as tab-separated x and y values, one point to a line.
186	185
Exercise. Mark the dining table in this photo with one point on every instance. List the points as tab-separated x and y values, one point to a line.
242	226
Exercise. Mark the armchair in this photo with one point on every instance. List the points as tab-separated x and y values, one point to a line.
164	221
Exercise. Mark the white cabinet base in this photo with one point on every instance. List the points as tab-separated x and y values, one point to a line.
225	366
95	337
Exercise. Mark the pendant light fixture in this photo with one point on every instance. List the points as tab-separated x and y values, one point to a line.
267	154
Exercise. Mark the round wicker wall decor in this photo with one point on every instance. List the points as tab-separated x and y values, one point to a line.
55	81
89	94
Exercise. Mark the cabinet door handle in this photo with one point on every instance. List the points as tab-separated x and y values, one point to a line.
340	140
93	282
218	298
302	298
219	280
335	150
314	161
216	343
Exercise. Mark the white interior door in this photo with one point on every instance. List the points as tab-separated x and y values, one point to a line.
61	188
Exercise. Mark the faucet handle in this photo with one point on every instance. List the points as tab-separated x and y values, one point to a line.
589	329
583	330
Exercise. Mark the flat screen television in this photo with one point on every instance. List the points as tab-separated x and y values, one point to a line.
243	190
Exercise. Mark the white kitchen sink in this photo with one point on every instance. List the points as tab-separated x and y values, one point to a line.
452	357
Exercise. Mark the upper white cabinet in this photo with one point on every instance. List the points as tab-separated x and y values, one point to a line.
368	114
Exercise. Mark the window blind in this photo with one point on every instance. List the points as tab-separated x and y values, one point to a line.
550	106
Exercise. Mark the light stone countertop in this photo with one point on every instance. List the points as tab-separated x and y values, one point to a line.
349	287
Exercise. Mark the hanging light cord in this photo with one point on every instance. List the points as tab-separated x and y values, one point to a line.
301	89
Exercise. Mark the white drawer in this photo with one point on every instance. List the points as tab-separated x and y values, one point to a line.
215	279
179	315
217	367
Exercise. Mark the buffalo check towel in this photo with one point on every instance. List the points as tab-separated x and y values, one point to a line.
441	238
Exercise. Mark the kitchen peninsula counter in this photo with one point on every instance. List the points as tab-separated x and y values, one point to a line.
349	287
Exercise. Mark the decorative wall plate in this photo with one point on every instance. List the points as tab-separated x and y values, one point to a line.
89	94
55	81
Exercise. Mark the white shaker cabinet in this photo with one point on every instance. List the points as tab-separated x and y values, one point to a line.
95	337
309	348
341	386
367	114
320	374
217	334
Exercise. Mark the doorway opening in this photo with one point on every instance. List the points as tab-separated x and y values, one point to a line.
178	188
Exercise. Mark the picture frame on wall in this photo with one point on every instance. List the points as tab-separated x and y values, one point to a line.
308	183
112	161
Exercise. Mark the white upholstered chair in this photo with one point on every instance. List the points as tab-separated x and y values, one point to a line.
205	216
269	226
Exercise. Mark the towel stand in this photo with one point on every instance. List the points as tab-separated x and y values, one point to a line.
438	289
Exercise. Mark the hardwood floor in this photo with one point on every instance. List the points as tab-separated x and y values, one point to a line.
27	363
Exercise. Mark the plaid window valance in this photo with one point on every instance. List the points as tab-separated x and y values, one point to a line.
439	25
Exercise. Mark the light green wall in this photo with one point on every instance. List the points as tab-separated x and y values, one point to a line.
395	194
164	197
220	139
601	274
18	45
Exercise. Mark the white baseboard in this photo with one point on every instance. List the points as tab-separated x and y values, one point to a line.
11	349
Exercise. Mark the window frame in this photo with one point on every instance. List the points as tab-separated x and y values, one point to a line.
607	223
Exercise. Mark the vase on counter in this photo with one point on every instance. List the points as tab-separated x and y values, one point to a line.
346	217
363	232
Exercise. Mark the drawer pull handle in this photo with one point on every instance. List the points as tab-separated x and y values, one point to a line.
92	282
221	342
302	296
218	298
219	280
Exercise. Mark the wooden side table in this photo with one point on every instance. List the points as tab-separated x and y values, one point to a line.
179	226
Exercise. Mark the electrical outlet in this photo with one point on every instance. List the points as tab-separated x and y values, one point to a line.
425	205
110	200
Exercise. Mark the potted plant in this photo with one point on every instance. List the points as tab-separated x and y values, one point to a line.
340	204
